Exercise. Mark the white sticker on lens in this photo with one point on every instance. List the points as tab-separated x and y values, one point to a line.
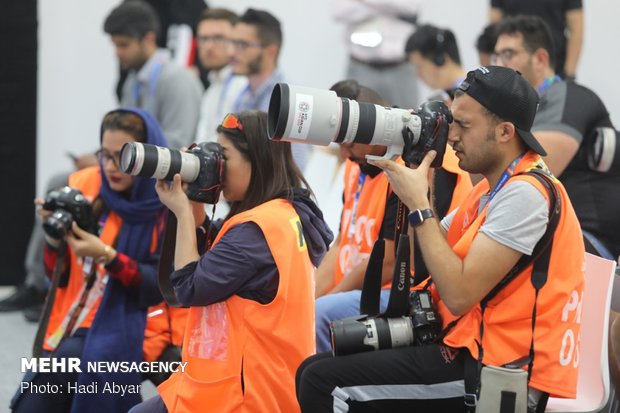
303	116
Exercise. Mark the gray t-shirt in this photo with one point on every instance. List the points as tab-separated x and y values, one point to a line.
517	216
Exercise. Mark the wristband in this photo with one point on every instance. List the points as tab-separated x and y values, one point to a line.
417	217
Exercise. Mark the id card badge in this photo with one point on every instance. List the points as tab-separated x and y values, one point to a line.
87	264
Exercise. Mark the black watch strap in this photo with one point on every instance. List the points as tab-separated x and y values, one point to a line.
418	216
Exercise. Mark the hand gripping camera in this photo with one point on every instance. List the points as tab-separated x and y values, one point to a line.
68	205
319	117
410	318
202	166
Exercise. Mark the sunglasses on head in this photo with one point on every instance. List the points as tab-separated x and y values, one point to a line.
231	121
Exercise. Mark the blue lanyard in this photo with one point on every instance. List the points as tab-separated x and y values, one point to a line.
155	71
505	176
358	191
547	82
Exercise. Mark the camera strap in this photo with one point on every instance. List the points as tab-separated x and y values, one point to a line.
371	290
398	305
540	256
77	310
401	280
50	298
166	259
401	277
370	299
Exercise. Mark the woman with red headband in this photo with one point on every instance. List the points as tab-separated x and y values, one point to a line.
251	294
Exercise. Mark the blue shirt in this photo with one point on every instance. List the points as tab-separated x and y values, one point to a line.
258	99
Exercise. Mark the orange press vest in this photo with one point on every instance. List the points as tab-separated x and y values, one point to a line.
507	318
163	324
357	245
357	236
88	181
240	342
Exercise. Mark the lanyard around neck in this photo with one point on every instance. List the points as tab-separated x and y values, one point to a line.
358	191
547	83
152	85
505	176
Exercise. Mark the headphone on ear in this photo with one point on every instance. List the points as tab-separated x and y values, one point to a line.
440	39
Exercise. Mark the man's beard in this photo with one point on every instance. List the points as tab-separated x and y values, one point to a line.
254	66
366	168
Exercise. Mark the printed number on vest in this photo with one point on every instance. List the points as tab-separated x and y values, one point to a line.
570	344
299	230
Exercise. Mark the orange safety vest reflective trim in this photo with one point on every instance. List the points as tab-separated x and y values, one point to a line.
88	181
507	318
242	355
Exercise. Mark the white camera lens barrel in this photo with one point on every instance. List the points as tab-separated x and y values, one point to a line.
303	114
153	161
319	117
401	331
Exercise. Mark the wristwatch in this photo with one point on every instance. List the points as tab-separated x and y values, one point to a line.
418	216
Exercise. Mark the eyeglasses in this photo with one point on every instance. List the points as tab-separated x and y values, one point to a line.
231	121
243	45
105	157
505	55
216	39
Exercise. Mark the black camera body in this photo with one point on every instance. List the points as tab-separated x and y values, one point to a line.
202	166
424	318
365	333
207	187
435	122
68	205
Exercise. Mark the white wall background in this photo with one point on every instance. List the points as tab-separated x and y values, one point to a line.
77	67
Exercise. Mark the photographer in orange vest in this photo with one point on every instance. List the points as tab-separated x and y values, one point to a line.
101	315
251	296
468	254
369	212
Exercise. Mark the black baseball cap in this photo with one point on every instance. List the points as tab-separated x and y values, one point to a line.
505	93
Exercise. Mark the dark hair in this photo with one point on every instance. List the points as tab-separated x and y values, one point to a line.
127	122
535	32
133	18
218	14
351	89
268	27
487	39
433	43
274	172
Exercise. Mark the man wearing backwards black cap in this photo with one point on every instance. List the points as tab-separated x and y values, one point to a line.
468	254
